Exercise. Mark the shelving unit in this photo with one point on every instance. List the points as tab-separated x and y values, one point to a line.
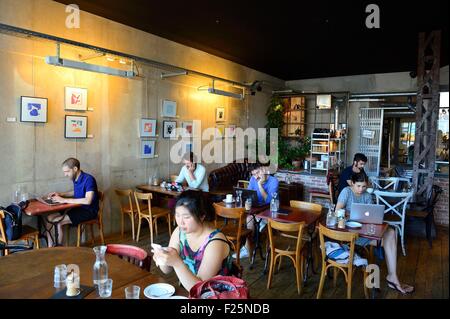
294	117
330	151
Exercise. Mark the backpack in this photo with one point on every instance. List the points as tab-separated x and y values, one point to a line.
220	287
13	220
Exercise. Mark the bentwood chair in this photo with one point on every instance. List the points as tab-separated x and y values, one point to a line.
277	239
235	229
347	268
28	234
242	183
97	221
135	255
309	237
126	208
150	214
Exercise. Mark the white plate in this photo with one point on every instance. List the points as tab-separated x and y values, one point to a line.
228	202
159	291
352	224
179	297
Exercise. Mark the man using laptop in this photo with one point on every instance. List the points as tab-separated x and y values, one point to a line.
359	161
84	192
356	193
265	186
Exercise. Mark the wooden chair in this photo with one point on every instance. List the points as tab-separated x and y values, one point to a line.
242	183
295	255
150	214
331	193
28	233
309	237
347	269
234	231
98	221
126	208
135	255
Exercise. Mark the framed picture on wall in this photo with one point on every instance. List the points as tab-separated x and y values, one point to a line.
169	108
220	114
75	126
188	147
147	128
187	128
75	99
33	109
147	149
170	129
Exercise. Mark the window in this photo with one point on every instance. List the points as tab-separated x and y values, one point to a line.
442	136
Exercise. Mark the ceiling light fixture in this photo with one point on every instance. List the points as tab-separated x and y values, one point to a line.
213	90
57	61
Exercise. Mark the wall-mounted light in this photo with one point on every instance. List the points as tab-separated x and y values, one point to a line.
213	90
57	61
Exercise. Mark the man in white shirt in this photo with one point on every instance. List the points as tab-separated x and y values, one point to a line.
193	173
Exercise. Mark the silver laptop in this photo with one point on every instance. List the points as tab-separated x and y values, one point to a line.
367	213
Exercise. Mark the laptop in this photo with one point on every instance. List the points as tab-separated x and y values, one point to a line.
249	193
367	213
47	201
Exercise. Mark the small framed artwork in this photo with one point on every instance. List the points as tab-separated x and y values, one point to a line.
75	127
188	147
33	109
169	129
147	128
187	128
230	131
147	149
169	108
220	114
220	131
75	99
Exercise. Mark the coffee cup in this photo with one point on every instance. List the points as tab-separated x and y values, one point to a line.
370	190
229	198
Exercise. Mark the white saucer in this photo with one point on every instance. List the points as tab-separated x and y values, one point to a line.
228	202
352	224
179	297
159	291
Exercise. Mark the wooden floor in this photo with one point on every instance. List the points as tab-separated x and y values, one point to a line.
425	268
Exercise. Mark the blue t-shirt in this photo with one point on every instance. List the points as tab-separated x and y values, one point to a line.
86	183
344	176
270	187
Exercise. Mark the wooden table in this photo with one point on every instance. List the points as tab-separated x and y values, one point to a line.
29	274
157	189
36	208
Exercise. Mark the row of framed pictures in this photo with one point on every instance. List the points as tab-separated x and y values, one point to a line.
34	109
148	129
148	148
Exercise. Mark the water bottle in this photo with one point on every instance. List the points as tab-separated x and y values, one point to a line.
100	269
274	203
238	198
331	217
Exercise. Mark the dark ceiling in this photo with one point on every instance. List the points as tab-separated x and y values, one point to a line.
289	39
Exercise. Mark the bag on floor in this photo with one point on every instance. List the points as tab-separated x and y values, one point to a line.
13	221
220	287
340	253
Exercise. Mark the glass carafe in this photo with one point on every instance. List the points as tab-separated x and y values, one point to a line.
274	203
100	269
238	198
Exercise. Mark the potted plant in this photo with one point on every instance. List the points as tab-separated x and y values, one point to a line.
299	151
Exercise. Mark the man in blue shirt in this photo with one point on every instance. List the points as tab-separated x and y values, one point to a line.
84	193
265	186
345	178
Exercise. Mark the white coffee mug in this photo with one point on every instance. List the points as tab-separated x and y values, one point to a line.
370	190
229	198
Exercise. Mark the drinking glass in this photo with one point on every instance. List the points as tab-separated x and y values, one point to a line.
59	276
132	292
105	288
371	229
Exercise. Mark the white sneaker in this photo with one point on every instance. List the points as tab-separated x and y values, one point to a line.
243	253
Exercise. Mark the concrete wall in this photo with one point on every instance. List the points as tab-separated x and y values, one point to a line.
31	153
